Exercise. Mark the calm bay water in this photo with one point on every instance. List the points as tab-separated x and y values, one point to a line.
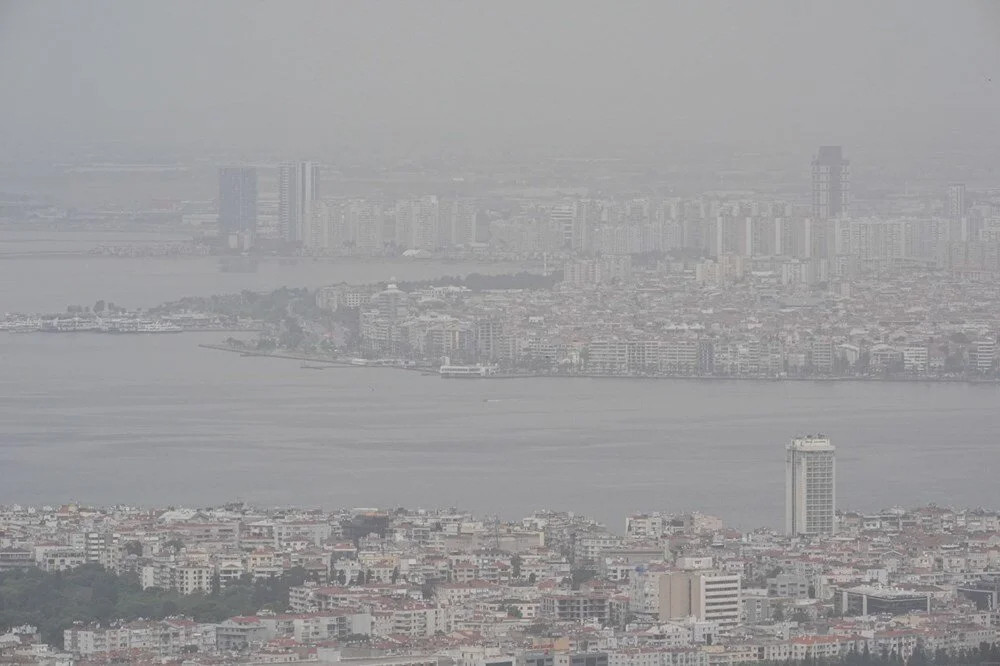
158	420
45	272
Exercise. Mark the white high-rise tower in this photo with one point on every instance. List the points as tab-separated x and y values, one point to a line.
298	189
810	486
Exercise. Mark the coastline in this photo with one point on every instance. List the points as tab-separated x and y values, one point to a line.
336	362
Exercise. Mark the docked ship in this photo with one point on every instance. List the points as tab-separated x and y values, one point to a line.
158	327
20	324
69	325
467	371
127	325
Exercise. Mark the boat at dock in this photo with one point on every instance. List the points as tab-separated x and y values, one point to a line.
467	371
128	325
69	325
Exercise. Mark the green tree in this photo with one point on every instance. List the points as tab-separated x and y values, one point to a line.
515	566
580	576
52	601
918	658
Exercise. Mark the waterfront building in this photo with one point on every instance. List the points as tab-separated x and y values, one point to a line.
365	225
237	200
457	223
810	486
982	355
298	191
417	223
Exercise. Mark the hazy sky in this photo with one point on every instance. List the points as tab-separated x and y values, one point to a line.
294	76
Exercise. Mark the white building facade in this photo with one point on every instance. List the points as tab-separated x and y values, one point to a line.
810	486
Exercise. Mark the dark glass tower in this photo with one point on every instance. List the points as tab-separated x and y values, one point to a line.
831	184
237	200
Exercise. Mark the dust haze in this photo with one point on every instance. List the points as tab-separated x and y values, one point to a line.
318	77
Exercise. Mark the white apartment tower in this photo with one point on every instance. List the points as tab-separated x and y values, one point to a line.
417	222
364	225
298	190
810	485
563	219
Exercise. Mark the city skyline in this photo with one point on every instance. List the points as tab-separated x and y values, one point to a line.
826	235
306	308
677	588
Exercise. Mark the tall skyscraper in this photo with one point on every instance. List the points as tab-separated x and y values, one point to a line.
810	486
956	201
562	217
831	184
237	200
958	229
298	189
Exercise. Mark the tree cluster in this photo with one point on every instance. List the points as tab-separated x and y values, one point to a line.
53	601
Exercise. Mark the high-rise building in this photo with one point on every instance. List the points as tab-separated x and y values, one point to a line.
563	218
706	595
982	354
417	222
958	228
237	200
364	222
810	486
456	222
298	189
316	230
831	184
491	342
956	201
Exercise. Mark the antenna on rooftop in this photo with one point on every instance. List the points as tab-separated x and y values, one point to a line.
494	521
